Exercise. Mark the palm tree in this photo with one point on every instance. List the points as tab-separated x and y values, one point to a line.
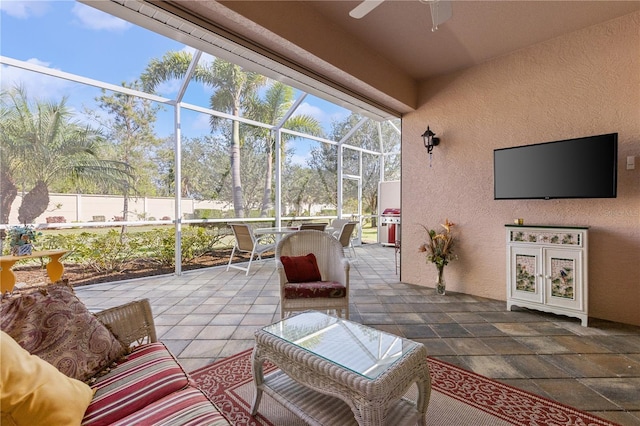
234	90
277	101
41	143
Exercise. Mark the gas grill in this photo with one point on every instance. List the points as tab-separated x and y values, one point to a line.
390	219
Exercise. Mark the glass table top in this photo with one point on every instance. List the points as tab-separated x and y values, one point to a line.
356	347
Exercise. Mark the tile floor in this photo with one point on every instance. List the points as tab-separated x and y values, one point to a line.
210	314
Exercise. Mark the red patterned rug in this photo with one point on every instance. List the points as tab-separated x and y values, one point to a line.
458	397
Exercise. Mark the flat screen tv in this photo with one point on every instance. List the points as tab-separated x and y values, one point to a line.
573	168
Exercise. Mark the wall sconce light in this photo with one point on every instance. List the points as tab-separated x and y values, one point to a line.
429	142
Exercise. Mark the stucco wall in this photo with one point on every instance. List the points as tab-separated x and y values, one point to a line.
581	84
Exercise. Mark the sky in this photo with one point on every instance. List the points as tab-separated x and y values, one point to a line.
75	38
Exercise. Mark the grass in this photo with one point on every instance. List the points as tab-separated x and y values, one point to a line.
369	234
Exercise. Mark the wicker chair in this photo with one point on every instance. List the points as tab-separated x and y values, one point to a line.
333	266
246	242
132	323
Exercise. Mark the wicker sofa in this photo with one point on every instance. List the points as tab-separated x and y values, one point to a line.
145	385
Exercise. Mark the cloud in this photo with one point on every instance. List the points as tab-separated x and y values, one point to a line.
169	87
325	114
202	123
308	109
24	9
95	19
44	86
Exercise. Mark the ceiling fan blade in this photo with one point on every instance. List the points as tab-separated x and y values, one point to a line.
363	8
440	11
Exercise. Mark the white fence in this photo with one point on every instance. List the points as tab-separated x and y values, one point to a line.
109	208
84	208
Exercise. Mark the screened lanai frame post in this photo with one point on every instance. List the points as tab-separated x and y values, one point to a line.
381	178
177	182
340	162
178	190
359	237
339	180
278	159
278	177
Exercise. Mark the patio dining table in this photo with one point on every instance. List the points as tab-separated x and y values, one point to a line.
277	230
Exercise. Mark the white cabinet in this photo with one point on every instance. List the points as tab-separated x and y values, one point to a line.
547	269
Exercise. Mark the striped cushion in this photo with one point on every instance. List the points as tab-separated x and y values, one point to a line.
149	374
185	408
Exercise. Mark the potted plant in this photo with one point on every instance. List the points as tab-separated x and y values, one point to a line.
439	249
21	239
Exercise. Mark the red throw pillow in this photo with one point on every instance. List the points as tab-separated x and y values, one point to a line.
301	269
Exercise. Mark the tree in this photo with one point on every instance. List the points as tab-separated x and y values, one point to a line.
298	191
128	126
277	102
324	159
324	162
234	90
41	143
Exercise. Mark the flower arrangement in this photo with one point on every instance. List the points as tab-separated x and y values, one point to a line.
439	249
20	236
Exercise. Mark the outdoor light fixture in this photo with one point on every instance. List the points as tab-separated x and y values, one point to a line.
429	140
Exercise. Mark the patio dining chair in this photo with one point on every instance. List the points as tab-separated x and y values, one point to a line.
247	242
313	272
316	226
345	236
335	227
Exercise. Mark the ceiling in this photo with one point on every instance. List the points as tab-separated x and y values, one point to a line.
401	30
378	61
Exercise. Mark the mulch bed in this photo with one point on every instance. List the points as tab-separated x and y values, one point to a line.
80	275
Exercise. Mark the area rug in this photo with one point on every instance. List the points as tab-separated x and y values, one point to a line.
458	398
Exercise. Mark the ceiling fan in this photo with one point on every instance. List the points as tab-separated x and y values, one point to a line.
440	10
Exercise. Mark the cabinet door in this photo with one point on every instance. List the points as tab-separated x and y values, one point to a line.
563	278
525	274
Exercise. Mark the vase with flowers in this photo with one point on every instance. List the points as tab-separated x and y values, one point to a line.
439	249
21	239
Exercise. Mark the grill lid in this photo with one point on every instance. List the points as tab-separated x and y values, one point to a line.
391	212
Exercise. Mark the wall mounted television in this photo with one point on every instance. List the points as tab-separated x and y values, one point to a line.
574	168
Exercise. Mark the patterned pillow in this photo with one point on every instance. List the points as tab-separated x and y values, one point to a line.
55	325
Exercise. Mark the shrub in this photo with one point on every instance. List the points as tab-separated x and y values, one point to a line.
111	252
160	244
210	214
108	252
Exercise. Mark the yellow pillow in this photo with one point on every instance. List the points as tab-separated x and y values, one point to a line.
34	392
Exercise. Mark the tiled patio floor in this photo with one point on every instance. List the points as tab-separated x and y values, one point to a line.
210	314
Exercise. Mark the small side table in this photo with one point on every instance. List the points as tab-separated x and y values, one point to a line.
55	269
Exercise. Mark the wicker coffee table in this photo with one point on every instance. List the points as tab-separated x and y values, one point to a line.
368	369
